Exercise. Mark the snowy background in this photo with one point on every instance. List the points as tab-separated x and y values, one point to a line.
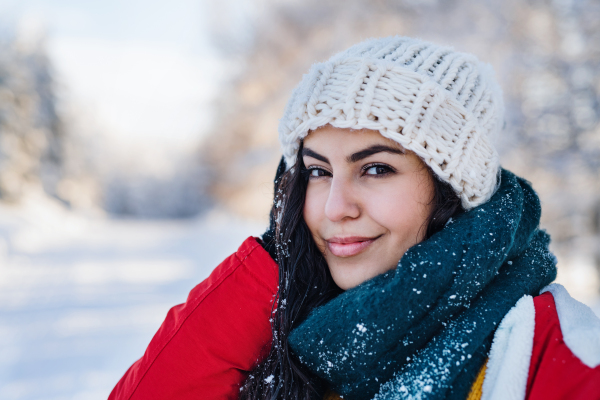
138	146
81	297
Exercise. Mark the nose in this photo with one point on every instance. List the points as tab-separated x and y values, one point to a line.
342	201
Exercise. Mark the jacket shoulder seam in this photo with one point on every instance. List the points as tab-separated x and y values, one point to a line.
250	271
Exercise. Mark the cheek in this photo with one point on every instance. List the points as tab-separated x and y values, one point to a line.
313	211
403	210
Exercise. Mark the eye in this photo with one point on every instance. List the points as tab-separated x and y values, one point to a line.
315	172
378	169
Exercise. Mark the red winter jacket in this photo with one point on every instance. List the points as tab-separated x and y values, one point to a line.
558	369
205	347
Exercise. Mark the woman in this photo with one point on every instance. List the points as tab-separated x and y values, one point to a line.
406	258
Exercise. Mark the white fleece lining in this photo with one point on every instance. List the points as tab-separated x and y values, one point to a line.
579	325
508	365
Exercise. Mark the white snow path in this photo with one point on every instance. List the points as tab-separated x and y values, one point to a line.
80	298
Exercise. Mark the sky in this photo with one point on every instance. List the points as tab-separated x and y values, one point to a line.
143	71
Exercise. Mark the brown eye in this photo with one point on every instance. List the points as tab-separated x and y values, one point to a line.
315	172
379	169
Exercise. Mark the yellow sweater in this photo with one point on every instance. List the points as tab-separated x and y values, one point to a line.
474	394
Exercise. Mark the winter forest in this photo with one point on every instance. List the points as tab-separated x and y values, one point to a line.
135	157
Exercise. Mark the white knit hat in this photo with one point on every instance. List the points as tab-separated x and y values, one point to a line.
443	105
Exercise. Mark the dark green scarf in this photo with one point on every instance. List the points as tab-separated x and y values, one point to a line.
423	330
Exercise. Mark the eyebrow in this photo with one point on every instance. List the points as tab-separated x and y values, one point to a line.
310	153
369	151
359	155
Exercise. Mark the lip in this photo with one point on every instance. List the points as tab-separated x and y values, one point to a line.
350	245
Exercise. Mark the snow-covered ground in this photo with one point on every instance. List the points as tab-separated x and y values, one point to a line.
81	297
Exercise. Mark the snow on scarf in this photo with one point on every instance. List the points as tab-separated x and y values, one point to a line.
423	330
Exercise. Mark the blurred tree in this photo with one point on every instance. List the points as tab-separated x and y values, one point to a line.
554	111
180	194
546	54
31	133
66	153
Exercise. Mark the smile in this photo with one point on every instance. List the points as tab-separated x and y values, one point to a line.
349	246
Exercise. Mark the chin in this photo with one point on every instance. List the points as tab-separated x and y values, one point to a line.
349	276
346	285
349	282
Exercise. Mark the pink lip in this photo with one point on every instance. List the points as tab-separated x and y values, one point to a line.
349	246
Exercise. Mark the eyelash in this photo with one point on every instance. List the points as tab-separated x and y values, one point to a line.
307	172
389	169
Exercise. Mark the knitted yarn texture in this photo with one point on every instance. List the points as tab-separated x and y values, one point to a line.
422	331
441	104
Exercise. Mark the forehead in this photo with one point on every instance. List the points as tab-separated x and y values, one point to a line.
346	140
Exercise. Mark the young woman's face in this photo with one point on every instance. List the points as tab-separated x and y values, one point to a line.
367	201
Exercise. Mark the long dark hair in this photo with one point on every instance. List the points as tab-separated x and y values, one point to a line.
305	283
